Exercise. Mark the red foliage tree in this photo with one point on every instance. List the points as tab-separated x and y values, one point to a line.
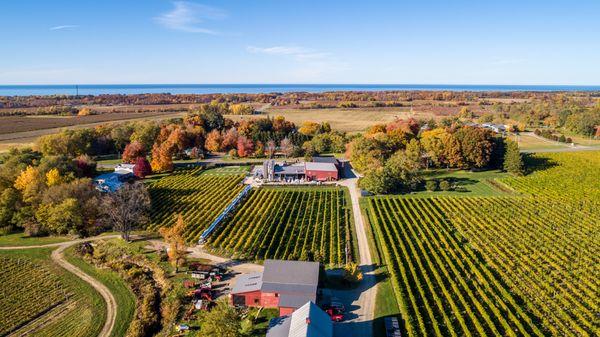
142	167
245	146
132	151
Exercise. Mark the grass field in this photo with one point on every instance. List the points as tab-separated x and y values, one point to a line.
514	265
198	195
82	315
467	183
123	296
348	120
288	223
20	239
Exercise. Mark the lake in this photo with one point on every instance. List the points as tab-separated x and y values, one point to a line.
99	89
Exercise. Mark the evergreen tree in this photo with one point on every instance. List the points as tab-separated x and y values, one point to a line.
513	161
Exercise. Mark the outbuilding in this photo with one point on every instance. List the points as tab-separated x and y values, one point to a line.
321	171
286	285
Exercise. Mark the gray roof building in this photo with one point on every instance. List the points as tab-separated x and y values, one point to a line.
296	282
308	321
247	282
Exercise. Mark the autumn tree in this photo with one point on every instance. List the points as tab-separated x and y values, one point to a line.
476	146
213	141
230	139
30	182
245	147
162	158
53	177
173	236
142	167
126	208
132	151
309	128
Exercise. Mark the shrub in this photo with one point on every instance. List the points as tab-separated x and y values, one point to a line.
352	273
431	185
445	185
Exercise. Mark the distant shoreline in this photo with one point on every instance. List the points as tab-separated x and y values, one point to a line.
99	89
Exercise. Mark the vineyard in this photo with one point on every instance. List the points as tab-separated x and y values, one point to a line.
294	223
199	196
524	265
28	291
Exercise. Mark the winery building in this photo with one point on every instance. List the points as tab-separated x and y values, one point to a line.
286	285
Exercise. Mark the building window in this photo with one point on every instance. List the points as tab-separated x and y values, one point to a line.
256	301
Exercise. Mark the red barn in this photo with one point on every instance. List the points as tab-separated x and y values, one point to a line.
320	171
286	285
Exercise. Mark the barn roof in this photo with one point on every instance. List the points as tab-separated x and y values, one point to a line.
331	160
328	167
307	321
295	281
247	283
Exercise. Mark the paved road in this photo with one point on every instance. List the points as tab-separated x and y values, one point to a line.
58	257
362	299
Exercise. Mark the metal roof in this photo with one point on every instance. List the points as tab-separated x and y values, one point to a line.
247	283
332	160
311	166
307	321
295	281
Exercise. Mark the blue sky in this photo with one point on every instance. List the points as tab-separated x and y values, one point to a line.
284	41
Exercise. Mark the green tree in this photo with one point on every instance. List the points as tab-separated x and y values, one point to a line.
221	321
61	218
513	161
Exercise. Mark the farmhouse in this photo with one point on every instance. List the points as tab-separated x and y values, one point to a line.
308	321
320	169
110	182
286	285
123	168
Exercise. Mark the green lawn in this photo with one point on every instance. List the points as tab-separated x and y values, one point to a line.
469	183
125	299
21	239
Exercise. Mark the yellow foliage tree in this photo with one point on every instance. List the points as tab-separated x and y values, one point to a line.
84	112
30	183
309	128
53	178
173	236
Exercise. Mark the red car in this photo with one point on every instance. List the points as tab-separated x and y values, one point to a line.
335	314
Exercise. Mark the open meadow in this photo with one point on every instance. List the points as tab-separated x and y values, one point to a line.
516	265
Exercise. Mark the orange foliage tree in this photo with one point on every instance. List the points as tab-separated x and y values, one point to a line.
173	236
132	151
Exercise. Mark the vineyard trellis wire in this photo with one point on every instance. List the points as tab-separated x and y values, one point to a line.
280	223
524	265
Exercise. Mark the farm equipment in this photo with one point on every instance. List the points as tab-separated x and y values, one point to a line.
206	271
202	294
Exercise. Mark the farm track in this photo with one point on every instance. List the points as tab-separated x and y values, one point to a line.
363	297
58	257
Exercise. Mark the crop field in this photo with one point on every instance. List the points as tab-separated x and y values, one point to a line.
40	298
198	195
289	223
21	302
518	265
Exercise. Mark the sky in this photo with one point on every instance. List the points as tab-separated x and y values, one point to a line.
548	42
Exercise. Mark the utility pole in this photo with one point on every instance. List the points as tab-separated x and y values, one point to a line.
76	90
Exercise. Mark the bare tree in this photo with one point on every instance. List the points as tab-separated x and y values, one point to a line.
126	208
287	147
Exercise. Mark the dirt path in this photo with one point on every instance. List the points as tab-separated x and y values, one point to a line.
361	299
58	257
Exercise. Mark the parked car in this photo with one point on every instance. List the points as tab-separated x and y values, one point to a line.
335	314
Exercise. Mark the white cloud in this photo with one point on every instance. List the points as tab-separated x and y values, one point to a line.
187	17
63	27
299	53
309	64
